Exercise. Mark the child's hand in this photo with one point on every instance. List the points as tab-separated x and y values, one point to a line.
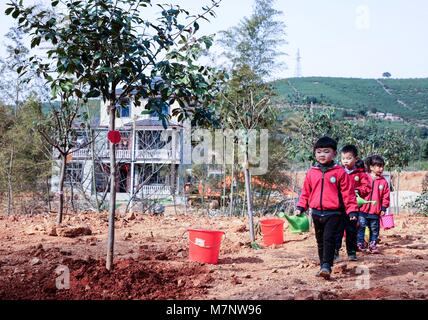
296	212
353	216
382	213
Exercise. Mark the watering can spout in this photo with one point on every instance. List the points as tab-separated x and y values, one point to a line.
298	223
361	201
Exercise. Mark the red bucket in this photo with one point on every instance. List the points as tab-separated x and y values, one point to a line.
272	231
387	221
204	245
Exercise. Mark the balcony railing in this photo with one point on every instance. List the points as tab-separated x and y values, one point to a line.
155	191
160	154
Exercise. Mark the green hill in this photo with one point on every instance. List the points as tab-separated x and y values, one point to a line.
407	98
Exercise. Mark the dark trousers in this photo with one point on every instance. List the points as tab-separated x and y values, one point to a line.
326	228
351	234
371	221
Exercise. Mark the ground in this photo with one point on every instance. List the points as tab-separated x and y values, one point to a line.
152	262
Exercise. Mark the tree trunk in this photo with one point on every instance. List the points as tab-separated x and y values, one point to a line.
224	174
61	188
94	181
112	207
267	200
249	204
9	183
174	172
173	185
232	181
48	193
73	207
203	195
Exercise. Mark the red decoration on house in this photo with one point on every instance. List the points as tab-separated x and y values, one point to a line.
113	136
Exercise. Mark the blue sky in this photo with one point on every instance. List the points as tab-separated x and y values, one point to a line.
341	38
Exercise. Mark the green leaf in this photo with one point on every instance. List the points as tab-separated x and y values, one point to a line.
35	42
54	3
9	10
196	26
16	13
93	93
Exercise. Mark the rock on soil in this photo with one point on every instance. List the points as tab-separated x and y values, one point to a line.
72	232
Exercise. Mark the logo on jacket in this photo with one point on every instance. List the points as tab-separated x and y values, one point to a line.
333	179
357	178
381	187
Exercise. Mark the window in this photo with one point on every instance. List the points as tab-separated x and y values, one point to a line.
123	108
80	140
153	174
150	140
101	177
125	141
74	173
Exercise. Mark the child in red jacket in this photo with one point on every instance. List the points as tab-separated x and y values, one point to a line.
360	180
369	215
326	189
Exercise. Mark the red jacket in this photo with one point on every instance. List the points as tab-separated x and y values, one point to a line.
321	190
379	192
361	181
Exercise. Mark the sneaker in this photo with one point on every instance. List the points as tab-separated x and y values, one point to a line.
361	247
352	257
373	247
325	273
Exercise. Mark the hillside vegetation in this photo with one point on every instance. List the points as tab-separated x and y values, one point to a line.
407	98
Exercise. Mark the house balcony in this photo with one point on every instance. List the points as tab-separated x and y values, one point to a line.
126	155
157	191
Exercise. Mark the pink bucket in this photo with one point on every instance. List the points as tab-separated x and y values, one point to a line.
387	221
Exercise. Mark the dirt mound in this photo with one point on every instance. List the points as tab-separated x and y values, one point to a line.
130	279
151	262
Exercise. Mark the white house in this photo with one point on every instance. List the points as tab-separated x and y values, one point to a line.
148	157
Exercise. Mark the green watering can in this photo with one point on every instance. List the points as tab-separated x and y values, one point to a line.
361	201
298	223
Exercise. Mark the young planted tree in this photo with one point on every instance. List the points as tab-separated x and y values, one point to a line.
60	132
253	48
106	45
245	105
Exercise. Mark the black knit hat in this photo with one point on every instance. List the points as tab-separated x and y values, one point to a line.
326	142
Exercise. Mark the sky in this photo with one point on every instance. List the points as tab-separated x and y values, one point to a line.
336	38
